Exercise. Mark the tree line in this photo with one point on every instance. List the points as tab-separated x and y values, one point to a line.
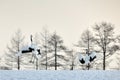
100	39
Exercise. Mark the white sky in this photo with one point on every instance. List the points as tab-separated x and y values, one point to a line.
68	17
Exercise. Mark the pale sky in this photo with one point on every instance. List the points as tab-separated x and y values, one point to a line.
69	18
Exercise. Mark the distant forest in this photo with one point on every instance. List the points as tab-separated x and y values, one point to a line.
48	52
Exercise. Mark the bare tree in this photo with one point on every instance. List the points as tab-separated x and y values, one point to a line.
56	44
14	48
44	43
72	59
86	42
103	37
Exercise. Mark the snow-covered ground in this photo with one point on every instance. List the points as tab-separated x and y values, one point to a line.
60	75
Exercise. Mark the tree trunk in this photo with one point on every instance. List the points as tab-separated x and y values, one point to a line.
104	64
46	61
18	61
36	64
88	52
46	56
72	66
88	66
55	55
46	50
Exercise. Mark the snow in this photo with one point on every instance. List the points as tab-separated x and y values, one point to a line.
59	75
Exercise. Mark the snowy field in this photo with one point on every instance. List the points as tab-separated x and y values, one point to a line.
59	75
